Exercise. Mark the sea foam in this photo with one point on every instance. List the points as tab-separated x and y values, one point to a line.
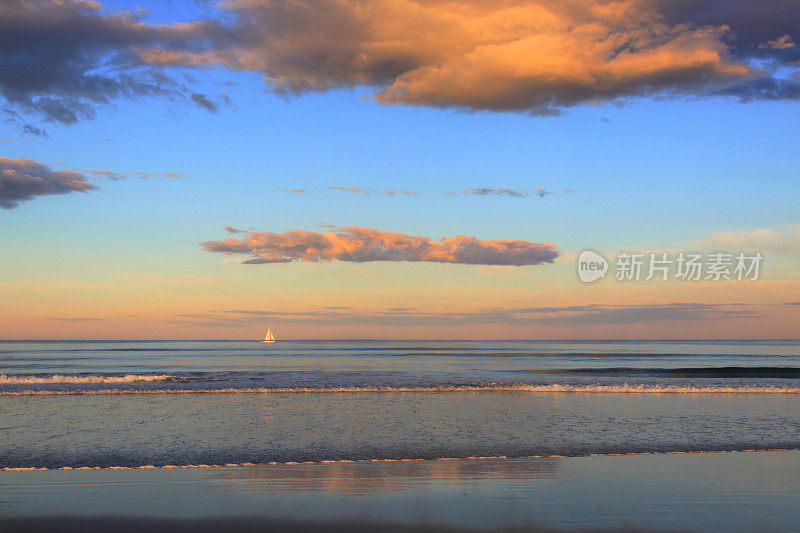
77	379
551	388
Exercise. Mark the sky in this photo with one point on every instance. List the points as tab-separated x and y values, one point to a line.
399	169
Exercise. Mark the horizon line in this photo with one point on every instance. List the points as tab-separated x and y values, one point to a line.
407	340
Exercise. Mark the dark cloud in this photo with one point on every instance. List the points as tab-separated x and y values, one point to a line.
484	191
59	59
24	179
203	101
764	88
33	130
514	193
365	244
762	29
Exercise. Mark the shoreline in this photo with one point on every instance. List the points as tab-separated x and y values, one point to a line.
387	460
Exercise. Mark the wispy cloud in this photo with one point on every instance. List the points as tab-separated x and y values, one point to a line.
485	191
781	43
406	193
367	192
114	176
78	319
514	193
33	130
358	244
293	191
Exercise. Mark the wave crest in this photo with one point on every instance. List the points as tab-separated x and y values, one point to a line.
551	388
75	379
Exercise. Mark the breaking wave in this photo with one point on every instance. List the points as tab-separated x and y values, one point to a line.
781	372
551	388
78	379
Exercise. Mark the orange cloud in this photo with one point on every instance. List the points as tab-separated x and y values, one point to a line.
364	244
533	55
536	56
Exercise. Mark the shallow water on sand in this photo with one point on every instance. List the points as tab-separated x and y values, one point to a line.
693	492
122	403
52	432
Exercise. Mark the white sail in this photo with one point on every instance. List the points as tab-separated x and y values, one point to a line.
269	337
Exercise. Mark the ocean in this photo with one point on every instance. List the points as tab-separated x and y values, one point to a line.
135	404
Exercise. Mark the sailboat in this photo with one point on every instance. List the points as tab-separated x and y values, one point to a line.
269	337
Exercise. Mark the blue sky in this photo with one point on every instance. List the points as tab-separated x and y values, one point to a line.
649	173
654	173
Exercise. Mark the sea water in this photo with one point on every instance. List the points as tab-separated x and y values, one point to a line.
180	403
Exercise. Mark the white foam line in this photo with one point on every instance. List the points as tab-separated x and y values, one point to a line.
605	389
72	379
357	461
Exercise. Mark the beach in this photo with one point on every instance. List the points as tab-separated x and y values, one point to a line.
384	435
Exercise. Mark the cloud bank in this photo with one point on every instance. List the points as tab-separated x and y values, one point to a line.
24	179
61	58
357	244
575	315
784	241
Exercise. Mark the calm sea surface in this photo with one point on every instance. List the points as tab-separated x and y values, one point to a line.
126	403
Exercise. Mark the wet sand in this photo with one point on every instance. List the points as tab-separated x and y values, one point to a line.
744	491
